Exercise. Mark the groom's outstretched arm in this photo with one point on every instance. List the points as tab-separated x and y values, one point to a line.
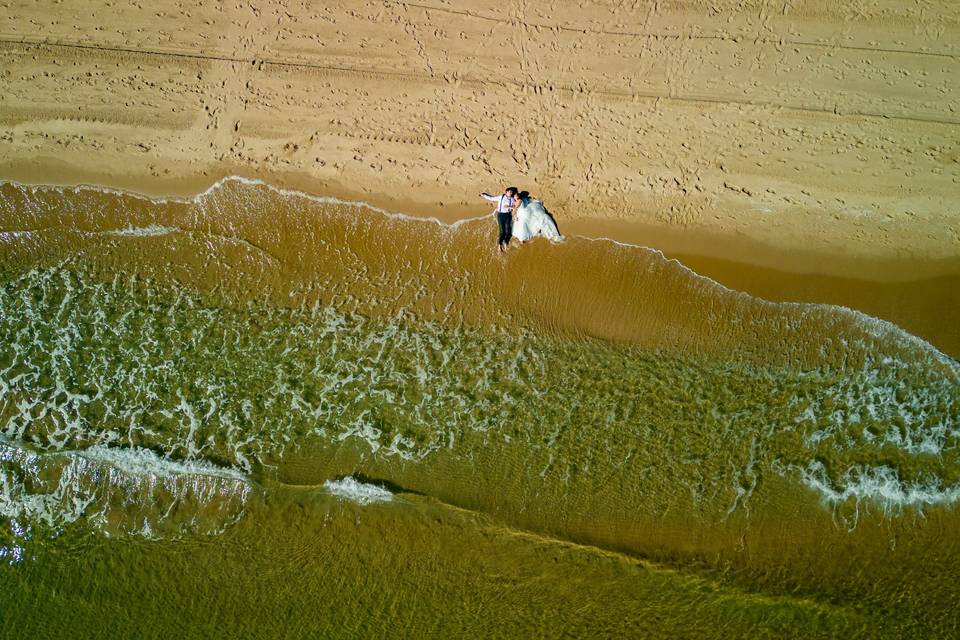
487	196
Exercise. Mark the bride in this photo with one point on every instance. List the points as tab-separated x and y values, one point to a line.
530	219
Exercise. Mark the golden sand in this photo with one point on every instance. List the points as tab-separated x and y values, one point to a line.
800	125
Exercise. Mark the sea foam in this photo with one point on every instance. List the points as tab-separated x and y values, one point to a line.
150	230
118	491
881	485
362	493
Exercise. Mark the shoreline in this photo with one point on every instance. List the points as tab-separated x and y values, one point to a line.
737	140
917	297
673	241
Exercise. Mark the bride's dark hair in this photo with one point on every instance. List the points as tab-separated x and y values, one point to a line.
524	195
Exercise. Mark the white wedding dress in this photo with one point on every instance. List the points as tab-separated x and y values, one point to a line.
531	219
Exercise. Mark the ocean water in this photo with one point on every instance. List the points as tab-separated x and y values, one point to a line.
287	415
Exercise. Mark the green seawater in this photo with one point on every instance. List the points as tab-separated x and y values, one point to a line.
224	455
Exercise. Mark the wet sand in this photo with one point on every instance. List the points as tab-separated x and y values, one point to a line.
917	295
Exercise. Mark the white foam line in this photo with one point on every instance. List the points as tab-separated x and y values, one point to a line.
10	235
880	326
151	230
360	204
136	461
146	462
882	484
198	198
82	484
353	490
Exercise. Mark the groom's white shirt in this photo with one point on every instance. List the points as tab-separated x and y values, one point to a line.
503	202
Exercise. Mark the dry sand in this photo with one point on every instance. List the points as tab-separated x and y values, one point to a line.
797	137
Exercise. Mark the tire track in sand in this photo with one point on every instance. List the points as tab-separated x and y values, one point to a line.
673	36
581	88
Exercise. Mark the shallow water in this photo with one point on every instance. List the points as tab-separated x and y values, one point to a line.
256	396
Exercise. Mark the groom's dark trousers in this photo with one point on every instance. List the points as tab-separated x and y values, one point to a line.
505	220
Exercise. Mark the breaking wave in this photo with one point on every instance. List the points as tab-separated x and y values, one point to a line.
116	492
354	490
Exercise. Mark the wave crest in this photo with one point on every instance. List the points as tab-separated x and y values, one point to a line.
116	492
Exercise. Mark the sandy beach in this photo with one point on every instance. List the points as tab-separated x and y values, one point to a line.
797	137
264	372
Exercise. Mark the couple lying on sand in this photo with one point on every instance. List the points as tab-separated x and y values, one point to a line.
521	217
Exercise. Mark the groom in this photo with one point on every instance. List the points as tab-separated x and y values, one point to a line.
504	213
